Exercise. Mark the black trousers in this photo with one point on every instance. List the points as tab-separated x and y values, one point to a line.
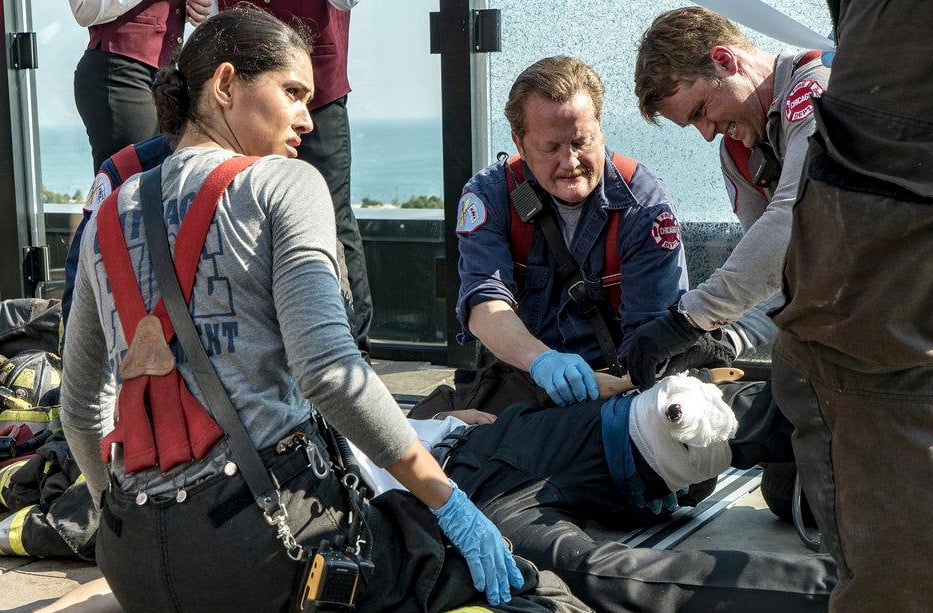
214	551
541	476
113	98
327	148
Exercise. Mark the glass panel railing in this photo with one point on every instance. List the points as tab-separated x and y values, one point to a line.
397	172
395	133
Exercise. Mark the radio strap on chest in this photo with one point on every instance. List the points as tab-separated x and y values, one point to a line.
568	271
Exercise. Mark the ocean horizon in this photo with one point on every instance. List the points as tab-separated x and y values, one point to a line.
392	160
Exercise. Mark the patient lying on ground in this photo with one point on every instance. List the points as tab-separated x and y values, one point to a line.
539	473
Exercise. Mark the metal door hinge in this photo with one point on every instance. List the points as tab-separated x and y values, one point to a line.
24	53
487	30
36	265
485	37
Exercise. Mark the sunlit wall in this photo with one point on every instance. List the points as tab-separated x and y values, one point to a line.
605	34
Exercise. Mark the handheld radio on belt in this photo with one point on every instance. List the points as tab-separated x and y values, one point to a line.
337	572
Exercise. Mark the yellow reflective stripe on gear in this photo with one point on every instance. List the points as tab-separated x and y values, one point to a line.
5	473
47	467
16	531
27	415
471	610
80	479
55	419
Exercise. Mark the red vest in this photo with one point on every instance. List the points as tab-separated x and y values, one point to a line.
521	234
330	30
151	32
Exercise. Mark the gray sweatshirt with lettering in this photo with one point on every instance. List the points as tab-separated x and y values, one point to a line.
266	304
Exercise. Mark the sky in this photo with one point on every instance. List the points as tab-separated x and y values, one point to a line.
391	71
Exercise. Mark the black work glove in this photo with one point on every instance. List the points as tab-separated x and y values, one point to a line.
711	350
656	341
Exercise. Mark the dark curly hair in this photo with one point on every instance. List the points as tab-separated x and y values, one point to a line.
250	39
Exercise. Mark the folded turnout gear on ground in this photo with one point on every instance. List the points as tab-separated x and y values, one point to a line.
29	324
45	506
52	514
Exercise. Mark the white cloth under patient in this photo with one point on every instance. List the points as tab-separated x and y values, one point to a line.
430	432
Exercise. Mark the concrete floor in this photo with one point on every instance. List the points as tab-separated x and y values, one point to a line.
28	583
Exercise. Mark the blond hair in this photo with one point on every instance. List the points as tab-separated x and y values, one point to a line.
558	79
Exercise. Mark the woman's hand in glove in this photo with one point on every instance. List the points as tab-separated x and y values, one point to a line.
481	544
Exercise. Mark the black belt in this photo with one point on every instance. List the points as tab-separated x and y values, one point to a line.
295	454
289	457
451	442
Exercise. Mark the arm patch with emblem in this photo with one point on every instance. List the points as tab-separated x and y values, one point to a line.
471	213
666	231
100	189
799	102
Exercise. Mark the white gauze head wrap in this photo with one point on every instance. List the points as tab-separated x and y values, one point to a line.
682	427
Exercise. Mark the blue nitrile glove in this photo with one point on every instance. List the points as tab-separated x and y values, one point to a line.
654	342
566	377
482	546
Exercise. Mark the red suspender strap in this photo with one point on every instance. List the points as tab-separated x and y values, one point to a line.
120	274
193	231
740	155
807	57
139	439
612	265
127	163
625	165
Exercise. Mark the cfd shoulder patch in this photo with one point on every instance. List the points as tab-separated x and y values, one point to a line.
799	103
100	189
666	231
471	213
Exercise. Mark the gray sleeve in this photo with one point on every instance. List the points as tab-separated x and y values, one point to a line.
754	329
320	349
752	272
87	390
